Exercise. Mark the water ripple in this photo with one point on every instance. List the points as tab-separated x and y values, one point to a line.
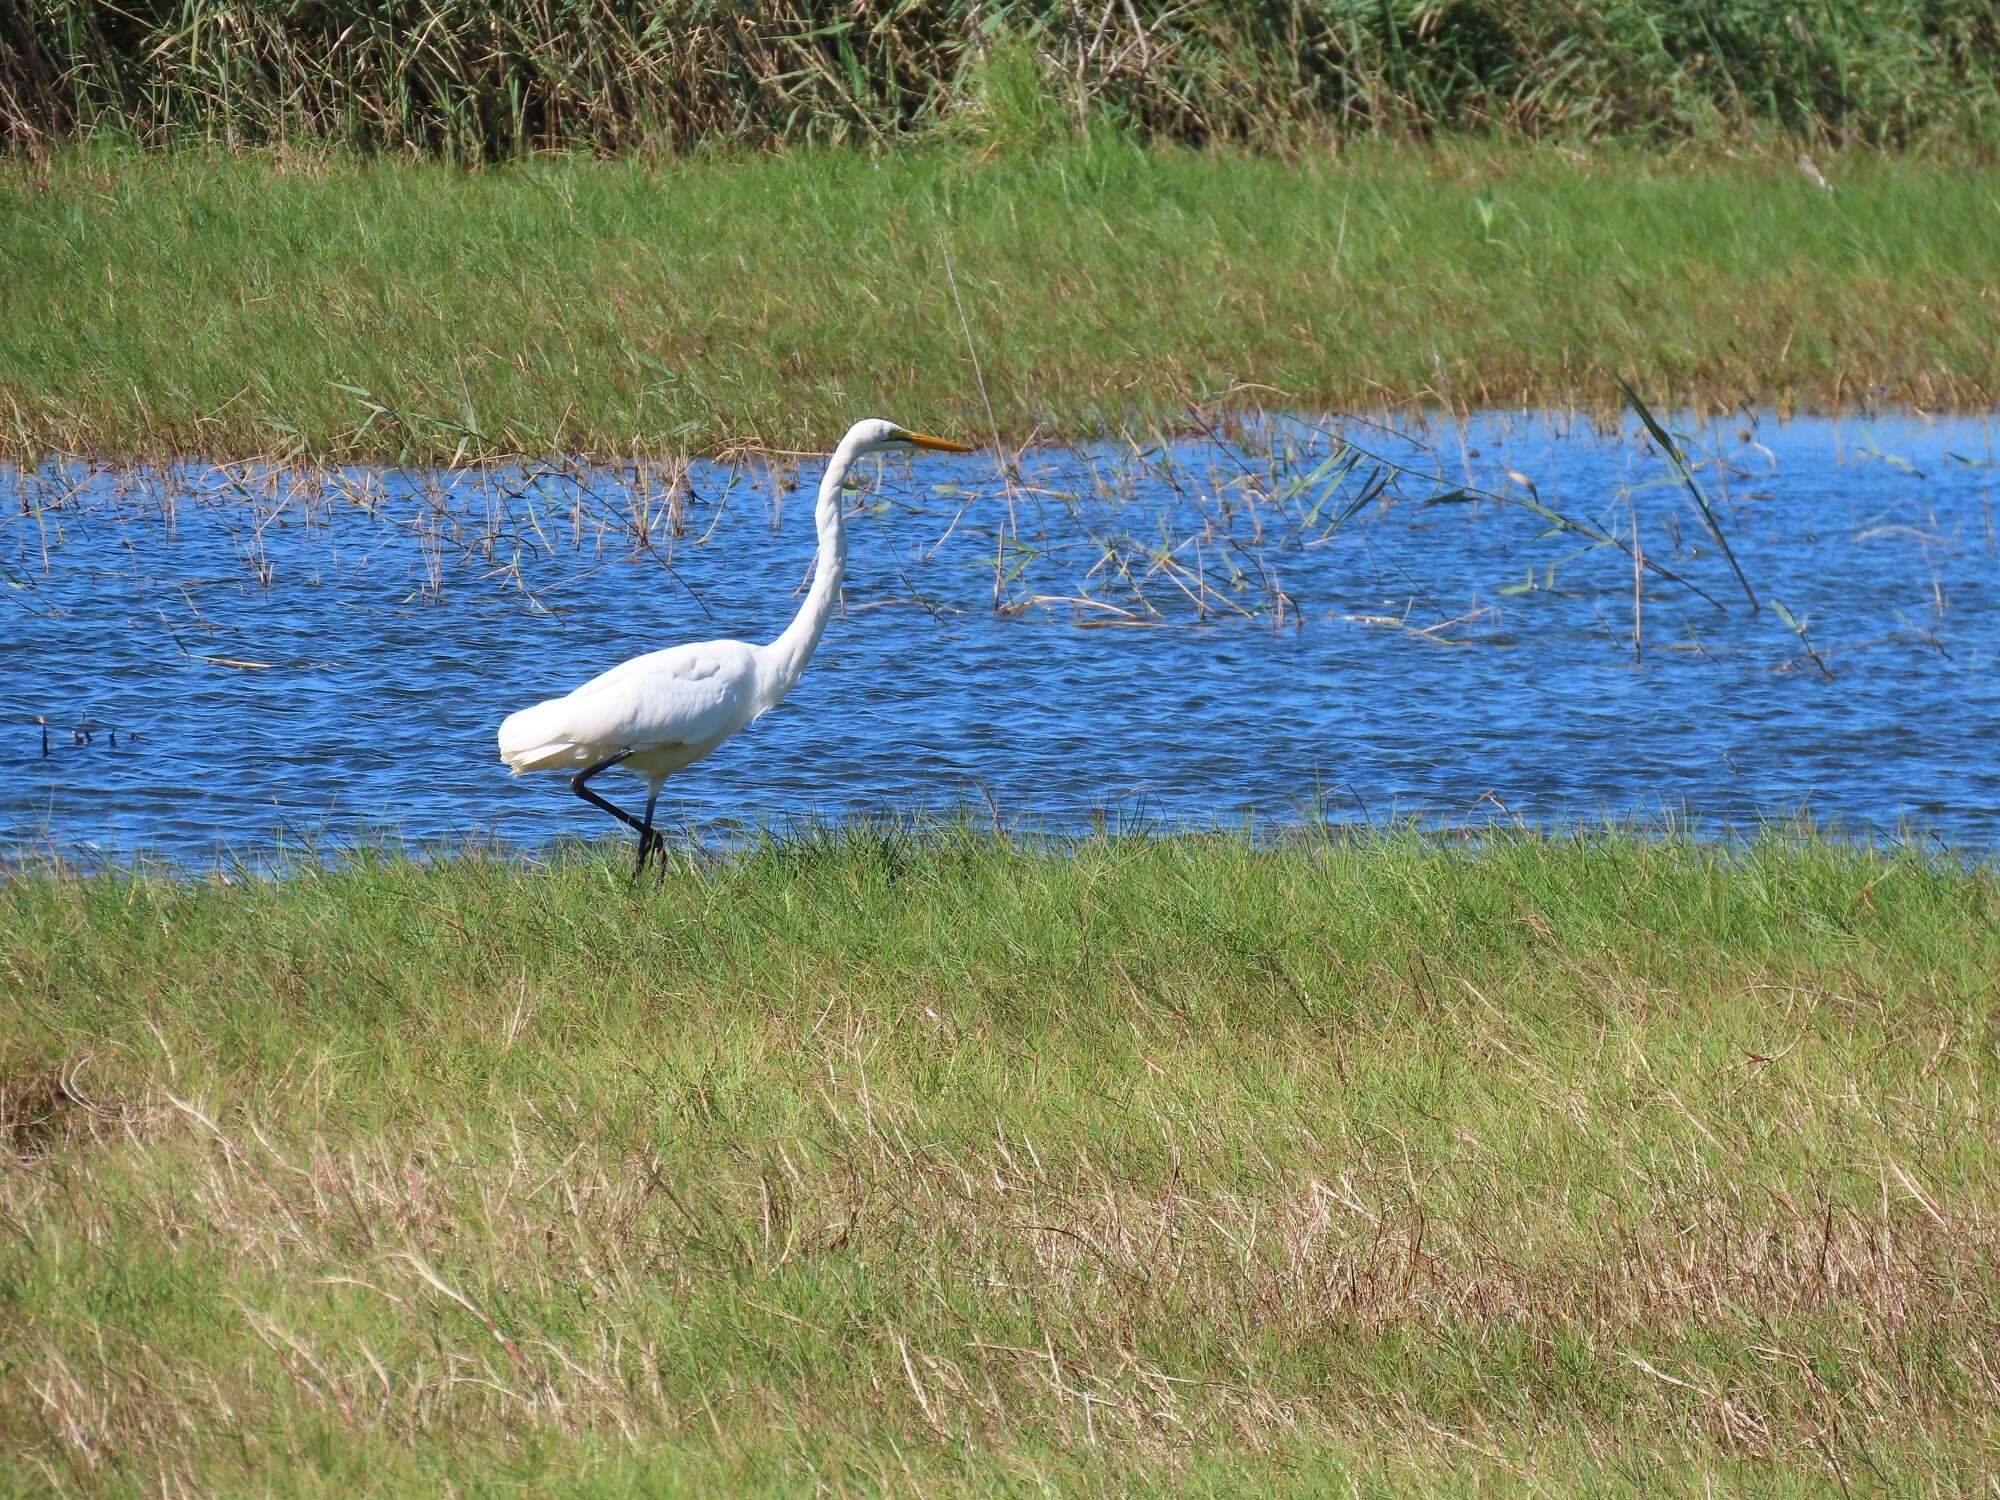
316	656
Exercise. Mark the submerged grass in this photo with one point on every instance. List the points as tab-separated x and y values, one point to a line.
891	1163
228	305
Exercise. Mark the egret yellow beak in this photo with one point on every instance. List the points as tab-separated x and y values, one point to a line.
937	444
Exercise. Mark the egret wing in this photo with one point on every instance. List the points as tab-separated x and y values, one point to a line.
689	695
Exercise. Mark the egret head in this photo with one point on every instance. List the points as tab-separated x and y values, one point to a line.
873	435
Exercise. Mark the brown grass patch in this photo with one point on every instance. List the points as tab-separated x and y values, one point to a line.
44	1108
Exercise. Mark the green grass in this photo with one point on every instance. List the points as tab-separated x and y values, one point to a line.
921	1164
227	305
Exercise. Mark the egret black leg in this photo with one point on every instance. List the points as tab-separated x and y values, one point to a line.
649	838
580	784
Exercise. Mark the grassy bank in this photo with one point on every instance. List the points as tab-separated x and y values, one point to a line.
898	1165
228	305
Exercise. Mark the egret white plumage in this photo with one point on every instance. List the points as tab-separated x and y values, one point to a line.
659	713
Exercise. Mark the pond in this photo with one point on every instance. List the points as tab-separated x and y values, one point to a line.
1280	620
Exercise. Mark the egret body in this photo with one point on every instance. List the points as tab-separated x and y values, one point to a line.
657	713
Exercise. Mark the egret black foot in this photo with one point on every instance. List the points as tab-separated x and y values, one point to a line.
654	845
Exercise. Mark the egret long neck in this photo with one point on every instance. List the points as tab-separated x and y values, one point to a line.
786	657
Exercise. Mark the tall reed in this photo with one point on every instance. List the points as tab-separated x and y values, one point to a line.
474	80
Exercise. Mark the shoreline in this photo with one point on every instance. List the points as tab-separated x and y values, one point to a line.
715	847
1603	422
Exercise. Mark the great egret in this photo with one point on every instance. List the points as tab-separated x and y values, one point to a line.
660	712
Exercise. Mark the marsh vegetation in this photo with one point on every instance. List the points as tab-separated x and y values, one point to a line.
475	81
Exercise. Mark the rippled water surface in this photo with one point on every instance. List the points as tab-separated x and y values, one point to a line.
1264	623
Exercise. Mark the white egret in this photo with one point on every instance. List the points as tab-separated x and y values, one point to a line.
663	711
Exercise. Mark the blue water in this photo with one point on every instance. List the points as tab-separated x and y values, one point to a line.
1188	635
